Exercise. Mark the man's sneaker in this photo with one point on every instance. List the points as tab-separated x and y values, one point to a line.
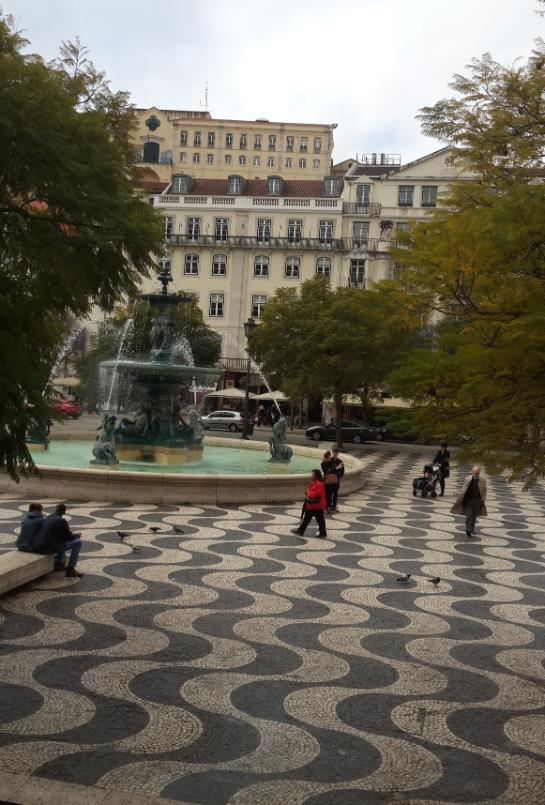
294	531
468	534
72	573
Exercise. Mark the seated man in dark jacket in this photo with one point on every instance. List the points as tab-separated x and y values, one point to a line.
30	526
55	537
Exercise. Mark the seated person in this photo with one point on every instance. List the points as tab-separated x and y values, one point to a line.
30	526
55	537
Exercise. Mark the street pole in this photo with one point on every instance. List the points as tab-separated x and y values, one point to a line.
246	402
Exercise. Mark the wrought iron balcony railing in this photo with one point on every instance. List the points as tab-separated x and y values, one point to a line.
351	208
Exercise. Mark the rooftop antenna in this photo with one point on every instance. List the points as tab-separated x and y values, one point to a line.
205	104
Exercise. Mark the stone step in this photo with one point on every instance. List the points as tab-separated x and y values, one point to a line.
19	567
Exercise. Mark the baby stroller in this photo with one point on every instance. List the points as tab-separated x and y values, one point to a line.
426	483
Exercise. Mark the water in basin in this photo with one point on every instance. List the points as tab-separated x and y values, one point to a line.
215	461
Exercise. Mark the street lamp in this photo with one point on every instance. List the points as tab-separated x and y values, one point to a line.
249	327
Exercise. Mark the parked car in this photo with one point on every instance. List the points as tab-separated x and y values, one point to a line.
223	420
351	431
69	408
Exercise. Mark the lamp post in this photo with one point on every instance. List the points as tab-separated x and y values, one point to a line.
249	327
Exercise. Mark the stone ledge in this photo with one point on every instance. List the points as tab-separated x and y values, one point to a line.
18	568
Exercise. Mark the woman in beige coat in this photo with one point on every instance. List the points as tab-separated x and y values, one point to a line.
471	500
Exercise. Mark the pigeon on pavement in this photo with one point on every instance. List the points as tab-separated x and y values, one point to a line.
154	528
404	579
177	530
435	580
122	534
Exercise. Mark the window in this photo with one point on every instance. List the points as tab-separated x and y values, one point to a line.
210	159
163	264
228	140
403	226
429	196
289	143
228	159
222	229
261	266
317	145
168	226
193	229
289	162
332	186
264	230
323	266
302	163
216	305
326	231
406	194
242	160
256	162
270	162
303	144
257	142
211	139
191	264
258	303
243	140
196	158
273	185
272	142
234	185
363	193
356	278
183	156
361	233
315	164
291	268
181	184
151	152
219	265
183	138
294	230
196	139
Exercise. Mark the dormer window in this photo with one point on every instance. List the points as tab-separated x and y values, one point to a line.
234	185
332	186
274	185
181	183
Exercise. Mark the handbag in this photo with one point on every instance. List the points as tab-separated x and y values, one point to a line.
331	478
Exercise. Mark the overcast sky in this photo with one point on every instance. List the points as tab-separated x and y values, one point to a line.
368	65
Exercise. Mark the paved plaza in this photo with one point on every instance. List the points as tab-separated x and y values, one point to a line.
237	663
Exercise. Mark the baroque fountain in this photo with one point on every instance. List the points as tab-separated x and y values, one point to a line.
154	451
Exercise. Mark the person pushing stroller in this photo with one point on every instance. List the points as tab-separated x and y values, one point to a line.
427	482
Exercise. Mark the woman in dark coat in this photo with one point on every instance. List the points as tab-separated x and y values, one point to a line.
331	480
442	459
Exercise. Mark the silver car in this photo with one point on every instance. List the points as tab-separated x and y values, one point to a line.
223	420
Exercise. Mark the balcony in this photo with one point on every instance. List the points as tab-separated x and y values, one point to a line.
351	208
244	242
364	244
356	283
250	202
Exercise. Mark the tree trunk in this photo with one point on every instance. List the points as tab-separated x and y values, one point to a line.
338	416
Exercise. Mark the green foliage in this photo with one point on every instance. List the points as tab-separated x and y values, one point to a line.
188	322
481	264
73	232
322	342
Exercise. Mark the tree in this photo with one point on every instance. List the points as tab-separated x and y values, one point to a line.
478	268
73	232
327	342
187	317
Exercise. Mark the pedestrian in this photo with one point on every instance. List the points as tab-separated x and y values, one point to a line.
314	506
338	466
30	526
56	538
442	458
330	479
471	500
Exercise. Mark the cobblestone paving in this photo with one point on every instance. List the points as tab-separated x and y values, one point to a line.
236	663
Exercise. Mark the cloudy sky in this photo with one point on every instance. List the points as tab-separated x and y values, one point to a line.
368	65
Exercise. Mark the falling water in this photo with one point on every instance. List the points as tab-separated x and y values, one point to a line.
255	368
65	348
126	335
181	352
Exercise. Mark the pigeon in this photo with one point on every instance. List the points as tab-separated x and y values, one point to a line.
122	534
154	528
136	550
435	580
404	579
177	530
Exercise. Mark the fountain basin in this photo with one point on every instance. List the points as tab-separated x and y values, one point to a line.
182	485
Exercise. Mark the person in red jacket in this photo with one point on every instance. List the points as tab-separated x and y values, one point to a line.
314	505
